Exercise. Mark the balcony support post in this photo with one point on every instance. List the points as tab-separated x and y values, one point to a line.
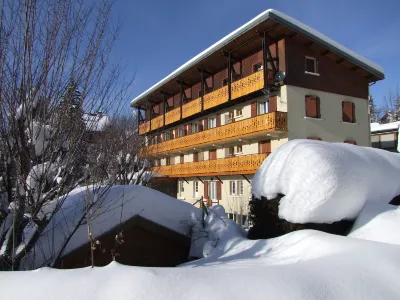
181	97
164	110
265	59
229	76
199	179
202	90
219	179
151	115
184	179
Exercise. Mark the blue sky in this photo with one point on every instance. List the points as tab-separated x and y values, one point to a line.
159	36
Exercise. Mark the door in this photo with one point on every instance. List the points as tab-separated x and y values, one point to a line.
264	146
212	154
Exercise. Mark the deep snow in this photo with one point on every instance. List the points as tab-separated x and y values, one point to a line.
326	182
305	264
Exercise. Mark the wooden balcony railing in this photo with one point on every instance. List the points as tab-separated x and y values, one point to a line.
247	164
144	128
216	98
247	85
191	108
157	122
172	116
239	88
271	122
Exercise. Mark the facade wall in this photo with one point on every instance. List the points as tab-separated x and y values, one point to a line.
330	126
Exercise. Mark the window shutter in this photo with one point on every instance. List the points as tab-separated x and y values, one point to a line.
272	104
350	142
205	189
218	120
212	154
205	124
182	158
200	125
195	156
253	109
264	147
312	107
219	191
189	129
348	111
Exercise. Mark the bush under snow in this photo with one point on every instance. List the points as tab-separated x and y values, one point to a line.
326	182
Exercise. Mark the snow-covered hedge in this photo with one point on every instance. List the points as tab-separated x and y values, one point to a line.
326	182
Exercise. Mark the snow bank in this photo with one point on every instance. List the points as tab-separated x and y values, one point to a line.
300	265
113	206
378	222
326	182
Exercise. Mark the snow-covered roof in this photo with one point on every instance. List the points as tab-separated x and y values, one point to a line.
96	122
377	127
290	22
113	207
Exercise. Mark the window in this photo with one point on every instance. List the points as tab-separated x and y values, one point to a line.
312	107
212	123
181	188
232	188
263	108
236	188
168	161
239	149
239	112
212	190
258	67
194	128
348	112
181	132
167	136
240	187
195	189
375	141
230	152
311	65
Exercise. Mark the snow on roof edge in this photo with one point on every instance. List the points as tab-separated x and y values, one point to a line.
284	19
376	127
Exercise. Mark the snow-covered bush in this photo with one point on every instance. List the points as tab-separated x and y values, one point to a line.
325	182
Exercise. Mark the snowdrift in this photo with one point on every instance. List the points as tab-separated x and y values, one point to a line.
115	205
304	264
326	182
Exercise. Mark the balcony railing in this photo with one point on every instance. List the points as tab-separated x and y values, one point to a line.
239	88
270	122
144	128
247	164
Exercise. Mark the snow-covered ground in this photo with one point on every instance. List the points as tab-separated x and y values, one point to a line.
305	264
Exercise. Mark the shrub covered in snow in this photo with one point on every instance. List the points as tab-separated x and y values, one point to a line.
326	182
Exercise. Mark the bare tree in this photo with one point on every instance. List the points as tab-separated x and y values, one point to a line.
391	106
54	66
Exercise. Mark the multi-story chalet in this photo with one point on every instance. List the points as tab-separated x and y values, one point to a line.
212	122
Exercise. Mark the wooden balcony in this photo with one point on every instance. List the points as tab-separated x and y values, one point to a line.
271	122
239	88
247	164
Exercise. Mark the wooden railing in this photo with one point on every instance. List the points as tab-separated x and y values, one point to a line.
239	88
216	98
247	85
157	122
275	121
173	116
191	108
247	164
144	128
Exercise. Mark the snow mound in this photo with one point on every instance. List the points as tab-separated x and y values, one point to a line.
378	222
326	182
113	206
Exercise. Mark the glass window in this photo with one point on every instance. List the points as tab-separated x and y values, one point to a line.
194	128
212	190
239	112
257	67
311	65
240	187
239	149
263	108
212	123
232	187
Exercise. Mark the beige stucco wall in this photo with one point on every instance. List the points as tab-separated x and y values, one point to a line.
330	126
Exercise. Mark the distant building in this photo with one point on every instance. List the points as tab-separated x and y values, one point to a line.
385	136
211	123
